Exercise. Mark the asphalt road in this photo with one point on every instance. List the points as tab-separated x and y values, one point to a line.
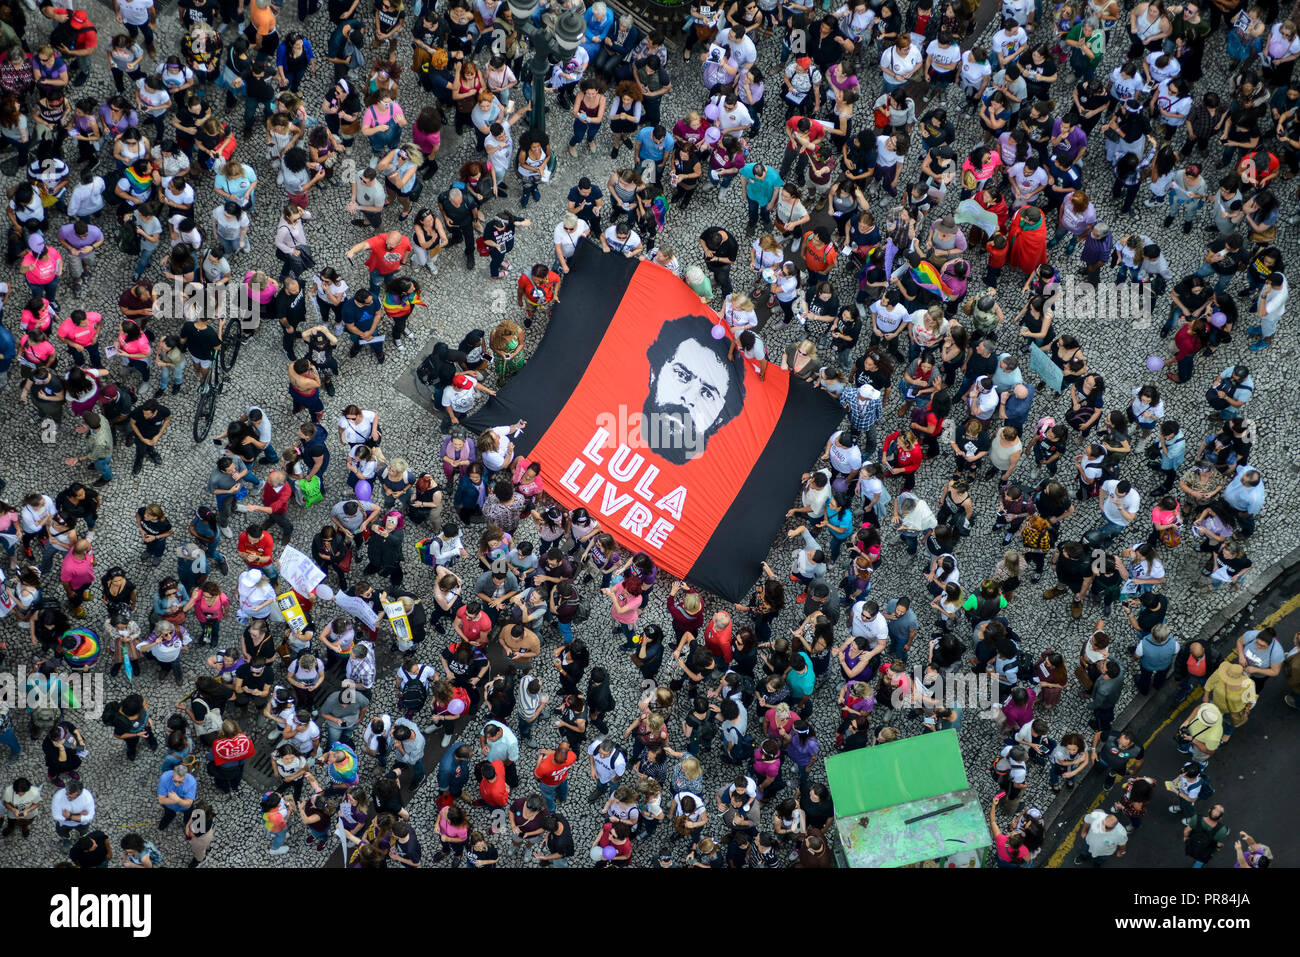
1252	777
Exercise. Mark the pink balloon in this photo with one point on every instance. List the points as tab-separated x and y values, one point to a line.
610	852
718	332
363	490
1155	363
455	706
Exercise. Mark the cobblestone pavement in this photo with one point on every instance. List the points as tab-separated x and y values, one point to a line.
459	302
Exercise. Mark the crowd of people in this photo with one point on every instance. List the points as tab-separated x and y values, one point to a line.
865	229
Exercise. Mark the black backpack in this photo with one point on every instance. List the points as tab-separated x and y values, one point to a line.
414	695
108	716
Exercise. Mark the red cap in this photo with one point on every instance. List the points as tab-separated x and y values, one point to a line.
463	382
78	20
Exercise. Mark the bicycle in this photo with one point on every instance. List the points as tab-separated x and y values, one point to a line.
223	358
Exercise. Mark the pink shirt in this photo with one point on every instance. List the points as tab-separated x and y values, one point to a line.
632	604
215	611
426	143
78	572
43	268
134	348
81	335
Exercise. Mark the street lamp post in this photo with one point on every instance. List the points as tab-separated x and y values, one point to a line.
559	39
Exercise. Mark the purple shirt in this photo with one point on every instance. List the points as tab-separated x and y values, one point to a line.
1073	143
93	235
802	749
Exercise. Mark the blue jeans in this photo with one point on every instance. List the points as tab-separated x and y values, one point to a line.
1109	530
1221	282
135	29
583	130
230	245
566	630
553	793
171	376
279	840
910	539
756	212
104	467
49	290
146	256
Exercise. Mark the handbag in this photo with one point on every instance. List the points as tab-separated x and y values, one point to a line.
1081	675
351	128
305	257
226	148
1170	536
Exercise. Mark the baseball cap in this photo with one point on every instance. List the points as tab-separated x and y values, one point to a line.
868	393
78	20
463	382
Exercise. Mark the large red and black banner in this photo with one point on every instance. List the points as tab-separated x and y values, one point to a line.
638	412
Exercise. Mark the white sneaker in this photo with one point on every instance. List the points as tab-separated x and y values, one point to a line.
277	851
274	735
446	740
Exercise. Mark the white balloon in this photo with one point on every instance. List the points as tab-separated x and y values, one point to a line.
324	592
597	854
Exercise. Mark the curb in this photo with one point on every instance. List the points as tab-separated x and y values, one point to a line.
1147	714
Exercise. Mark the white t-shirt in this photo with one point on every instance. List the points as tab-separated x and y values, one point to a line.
1018	10
972	71
1131	502
901	63
877	629
568	241
743	53
86	199
1027	182
1161	74
495	461
739	118
787	287
944	57
459	400
32	518
356	433
631	244
305	740
1103	843
135	12
1007	42
888	320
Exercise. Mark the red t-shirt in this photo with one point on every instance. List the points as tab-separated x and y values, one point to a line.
264	547
997	257
815	132
495	793
552	772
475	631
543	291
385	260
278	502
1001	843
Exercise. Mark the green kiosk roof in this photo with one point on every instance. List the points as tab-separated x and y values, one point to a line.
895	773
904	802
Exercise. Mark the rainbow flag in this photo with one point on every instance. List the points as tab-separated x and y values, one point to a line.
344	772
139	184
85	652
276	819
928	278
397	306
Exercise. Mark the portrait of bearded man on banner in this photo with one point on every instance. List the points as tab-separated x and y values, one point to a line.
695	389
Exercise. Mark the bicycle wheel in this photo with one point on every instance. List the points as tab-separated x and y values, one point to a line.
214	371
204	413
230	342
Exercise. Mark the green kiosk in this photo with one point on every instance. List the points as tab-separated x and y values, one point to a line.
906	802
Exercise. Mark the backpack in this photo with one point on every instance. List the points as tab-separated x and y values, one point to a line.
307	491
1036	533
109	714
424	553
1024	664
414	695
1200	844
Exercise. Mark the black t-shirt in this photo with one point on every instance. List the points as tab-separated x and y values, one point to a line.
723	248
150	427
971	447
92	858
1148	618
251	681
862	151
153	527
291	308
1133	126
503	234
484	858
580	202
410	849
1224	267
426	33
198	11
337	8
458	216
1113	756
1073	570
561	843
1188	295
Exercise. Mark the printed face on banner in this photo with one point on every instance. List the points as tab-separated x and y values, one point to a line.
694	389
663	426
